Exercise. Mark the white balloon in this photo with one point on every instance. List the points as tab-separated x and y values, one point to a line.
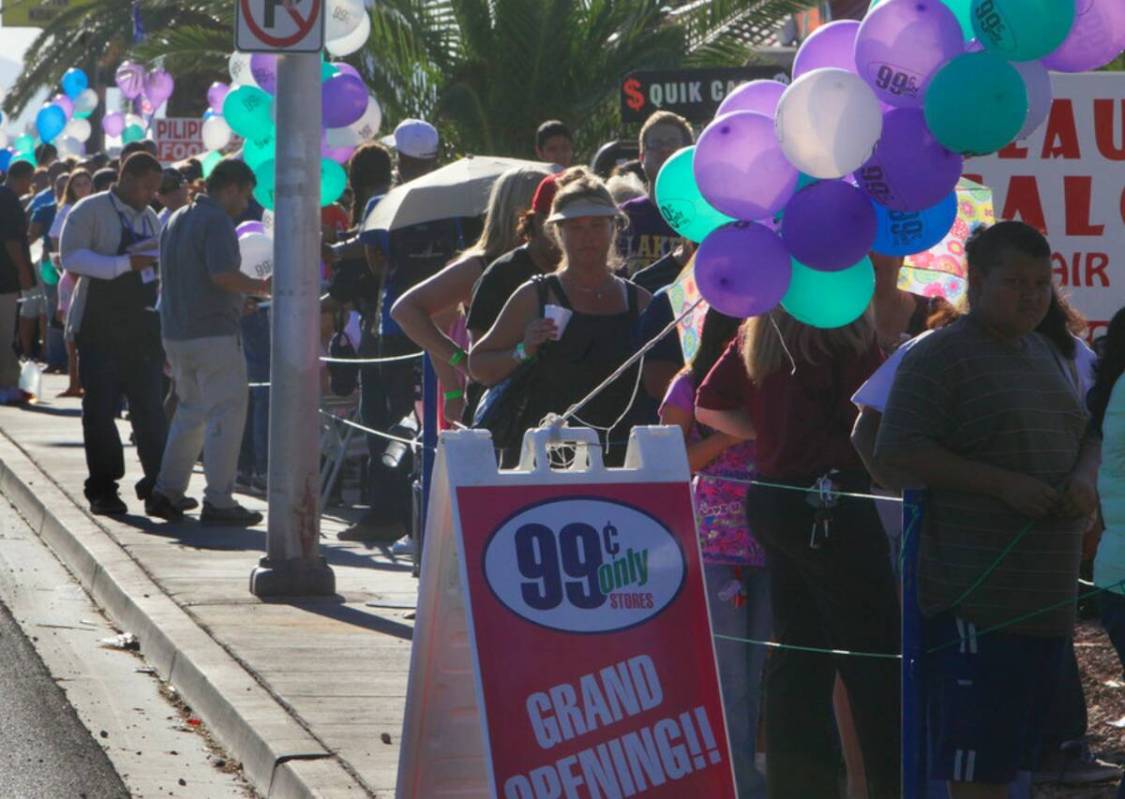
216	133
342	17
257	255
267	220
78	129
1039	95
239	68
68	145
828	122
3	139
346	45
136	119
338	138
86	102
367	126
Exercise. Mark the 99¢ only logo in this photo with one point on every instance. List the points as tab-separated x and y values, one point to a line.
584	565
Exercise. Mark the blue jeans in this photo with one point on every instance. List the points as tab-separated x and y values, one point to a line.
253	458
741	665
1113	620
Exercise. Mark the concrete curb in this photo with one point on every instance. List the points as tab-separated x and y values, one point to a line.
278	755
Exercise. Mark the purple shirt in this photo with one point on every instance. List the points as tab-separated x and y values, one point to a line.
647	238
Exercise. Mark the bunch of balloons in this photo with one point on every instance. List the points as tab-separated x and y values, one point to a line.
790	187
63	120
350	114
151	88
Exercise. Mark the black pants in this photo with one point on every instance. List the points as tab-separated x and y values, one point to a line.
107	375
838	596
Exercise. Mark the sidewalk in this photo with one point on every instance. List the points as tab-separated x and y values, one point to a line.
306	693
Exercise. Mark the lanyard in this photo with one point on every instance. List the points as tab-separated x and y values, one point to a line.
128	227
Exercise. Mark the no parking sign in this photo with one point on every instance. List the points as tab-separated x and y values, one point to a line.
279	26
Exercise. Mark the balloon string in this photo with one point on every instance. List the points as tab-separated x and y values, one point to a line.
784	346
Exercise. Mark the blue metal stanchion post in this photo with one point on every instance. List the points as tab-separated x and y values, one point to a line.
429	448
914	782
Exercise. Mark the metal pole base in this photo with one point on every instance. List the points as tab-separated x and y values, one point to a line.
293	577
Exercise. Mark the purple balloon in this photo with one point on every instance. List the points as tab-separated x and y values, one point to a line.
831	45
250	227
740	168
65	103
902	44
113	123
910	170
829	225
340	155
1096	38
343	101
215	96
263	66
159	86
759	96
344	68
130	79
742	269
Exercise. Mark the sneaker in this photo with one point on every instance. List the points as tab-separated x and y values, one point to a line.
187	503
404	547
236	516
111	505
1075	767
161	507
373	532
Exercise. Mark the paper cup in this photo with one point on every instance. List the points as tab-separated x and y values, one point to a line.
559	315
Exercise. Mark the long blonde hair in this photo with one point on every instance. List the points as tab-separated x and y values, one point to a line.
770	340
510	197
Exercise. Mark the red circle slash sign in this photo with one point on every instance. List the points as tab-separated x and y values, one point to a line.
304	24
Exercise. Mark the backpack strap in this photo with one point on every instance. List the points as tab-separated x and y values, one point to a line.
541	287
631	294
556	286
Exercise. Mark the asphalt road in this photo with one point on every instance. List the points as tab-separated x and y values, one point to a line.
45	752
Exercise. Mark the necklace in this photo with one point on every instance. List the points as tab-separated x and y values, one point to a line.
598	291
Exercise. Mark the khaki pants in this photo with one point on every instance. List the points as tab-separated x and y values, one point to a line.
210	376
9	361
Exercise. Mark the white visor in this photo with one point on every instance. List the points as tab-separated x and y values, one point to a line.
584	208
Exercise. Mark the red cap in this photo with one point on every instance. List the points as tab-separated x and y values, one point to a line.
545	195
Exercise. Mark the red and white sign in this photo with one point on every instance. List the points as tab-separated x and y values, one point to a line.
1068	179
279	26
178	138
587	632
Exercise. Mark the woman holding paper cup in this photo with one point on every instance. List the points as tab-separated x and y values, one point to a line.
575	345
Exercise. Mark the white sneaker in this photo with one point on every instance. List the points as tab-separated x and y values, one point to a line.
403	547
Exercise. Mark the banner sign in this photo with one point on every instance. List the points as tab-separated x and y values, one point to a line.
178	138
588	628
1068	179
694	94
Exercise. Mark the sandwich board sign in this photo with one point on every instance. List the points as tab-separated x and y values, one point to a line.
562	645
279	26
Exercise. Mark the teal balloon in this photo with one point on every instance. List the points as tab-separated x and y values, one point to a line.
249	112
24	144
679	200
29	157
333	181
49	122
976	104
327	71
210	161
1022	30
132	133
267	184
830	299
962	9
258	151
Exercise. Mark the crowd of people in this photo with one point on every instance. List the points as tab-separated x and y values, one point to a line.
800	440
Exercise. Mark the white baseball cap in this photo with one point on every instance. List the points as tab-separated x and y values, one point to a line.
415	138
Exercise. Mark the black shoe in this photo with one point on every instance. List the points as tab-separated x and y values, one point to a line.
110	505
161	507
187	503
373	532
236	516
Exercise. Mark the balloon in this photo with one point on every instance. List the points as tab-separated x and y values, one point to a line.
831	45
74	82
342	18
263	66
962	9
130	79
1037	81
113	123
333	181
5	160
256	250
343	101
159	86
24	144
680	202
742	269
1096	38
830	299
68	145
910	232
132	133
829	225
78	129
251	226
136	119
3	140
976	104
338	138
65	103
346	45
344	68
828	122
49	122
247	109
740	169
258	151
910	170
902	44
216	133
210	161
28	157
1022	30
215	96
340	155
367	126
85	103
760	96
265	172
239	67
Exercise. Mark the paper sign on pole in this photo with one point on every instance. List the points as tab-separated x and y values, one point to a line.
1068	178
562	646
178	138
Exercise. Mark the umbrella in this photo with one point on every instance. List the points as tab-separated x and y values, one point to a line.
941	271
456	190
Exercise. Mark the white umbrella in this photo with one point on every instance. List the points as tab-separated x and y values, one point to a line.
455	190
